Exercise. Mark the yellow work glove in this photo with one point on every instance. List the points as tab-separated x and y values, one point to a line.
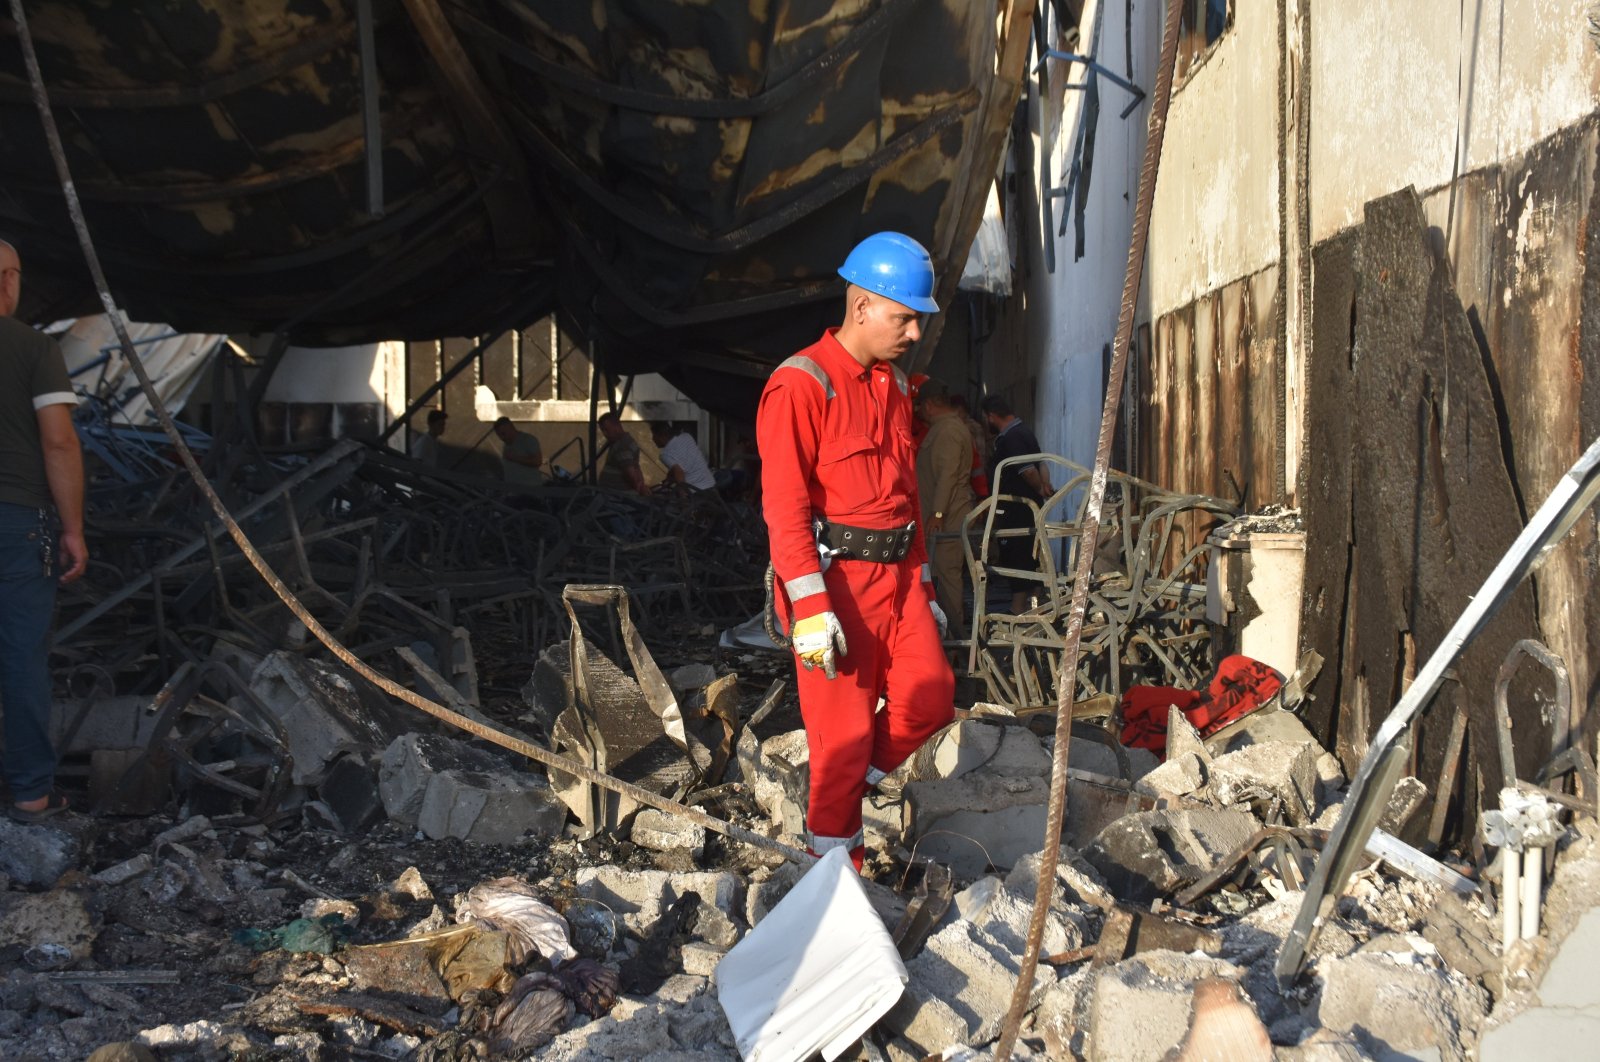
818	641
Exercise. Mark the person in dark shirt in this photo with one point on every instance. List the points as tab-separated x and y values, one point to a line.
1026	481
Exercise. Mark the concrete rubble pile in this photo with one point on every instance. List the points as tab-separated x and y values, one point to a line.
608	948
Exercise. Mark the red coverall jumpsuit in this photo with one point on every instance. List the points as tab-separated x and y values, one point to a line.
835	440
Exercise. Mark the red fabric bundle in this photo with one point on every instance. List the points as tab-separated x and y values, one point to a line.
1240	686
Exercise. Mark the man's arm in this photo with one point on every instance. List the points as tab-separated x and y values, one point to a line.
788	430
63	469
635	477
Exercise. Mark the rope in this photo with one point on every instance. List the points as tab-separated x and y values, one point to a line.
246	547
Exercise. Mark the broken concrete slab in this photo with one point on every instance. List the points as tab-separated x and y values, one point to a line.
1400	1002
447	788
58	922
960	989
1269	774
1182	737
501	807
960	748
778	773
662	832
1179	776
1405	815
641	897
976	821
1099	758
1141	1006
322	712
1077	882
349	790
1262	725
36	855
1155	853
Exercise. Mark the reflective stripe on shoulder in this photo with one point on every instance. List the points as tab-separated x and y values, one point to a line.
811	369
900	379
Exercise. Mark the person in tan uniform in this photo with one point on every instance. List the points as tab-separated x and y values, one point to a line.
944	486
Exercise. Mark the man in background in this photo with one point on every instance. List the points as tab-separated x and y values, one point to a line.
425	447
685	464
944	487
622	471
520	456
41	540
1024	483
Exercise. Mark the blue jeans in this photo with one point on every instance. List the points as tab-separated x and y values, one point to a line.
28	573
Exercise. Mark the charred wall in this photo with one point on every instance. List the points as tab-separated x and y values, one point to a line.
1450	341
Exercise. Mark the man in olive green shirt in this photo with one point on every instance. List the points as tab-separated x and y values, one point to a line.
944	488
41	486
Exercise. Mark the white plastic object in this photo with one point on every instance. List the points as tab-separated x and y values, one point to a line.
815	974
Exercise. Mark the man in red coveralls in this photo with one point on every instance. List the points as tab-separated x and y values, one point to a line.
839	488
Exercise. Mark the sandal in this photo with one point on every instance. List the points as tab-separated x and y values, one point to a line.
54	805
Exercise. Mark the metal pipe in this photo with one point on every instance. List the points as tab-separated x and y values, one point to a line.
1066	686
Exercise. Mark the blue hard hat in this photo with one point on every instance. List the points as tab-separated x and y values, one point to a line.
894	266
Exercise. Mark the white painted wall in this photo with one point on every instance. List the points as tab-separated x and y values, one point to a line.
1386	110
1072	313
1215	217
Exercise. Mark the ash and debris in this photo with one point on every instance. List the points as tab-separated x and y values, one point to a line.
283	865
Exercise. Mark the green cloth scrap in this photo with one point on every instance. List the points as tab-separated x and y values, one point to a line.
322	935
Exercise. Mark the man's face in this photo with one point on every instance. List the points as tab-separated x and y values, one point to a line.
610	429
505	432
887	329
10	281
995	422
436	427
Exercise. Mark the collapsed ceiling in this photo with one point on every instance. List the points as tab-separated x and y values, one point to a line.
678	180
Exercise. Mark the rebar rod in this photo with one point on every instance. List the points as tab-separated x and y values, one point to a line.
1066	686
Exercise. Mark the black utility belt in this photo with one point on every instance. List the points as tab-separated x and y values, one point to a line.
884	545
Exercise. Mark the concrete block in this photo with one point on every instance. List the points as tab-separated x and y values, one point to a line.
1259	773
108	723
700	960
489	808
1077	882
1155	853
1183	738
410	762
1141	1006
1178	777
662	832
964	747
1266	724
37	855
323	714
1407	1006
1099	758
640	897
979	820
765	892
1019	755
959	989
1405	815
691	677
779	778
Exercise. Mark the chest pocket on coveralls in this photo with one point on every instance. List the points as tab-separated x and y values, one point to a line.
833	451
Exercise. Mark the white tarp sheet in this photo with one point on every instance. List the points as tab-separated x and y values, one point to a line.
815	974
94	358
